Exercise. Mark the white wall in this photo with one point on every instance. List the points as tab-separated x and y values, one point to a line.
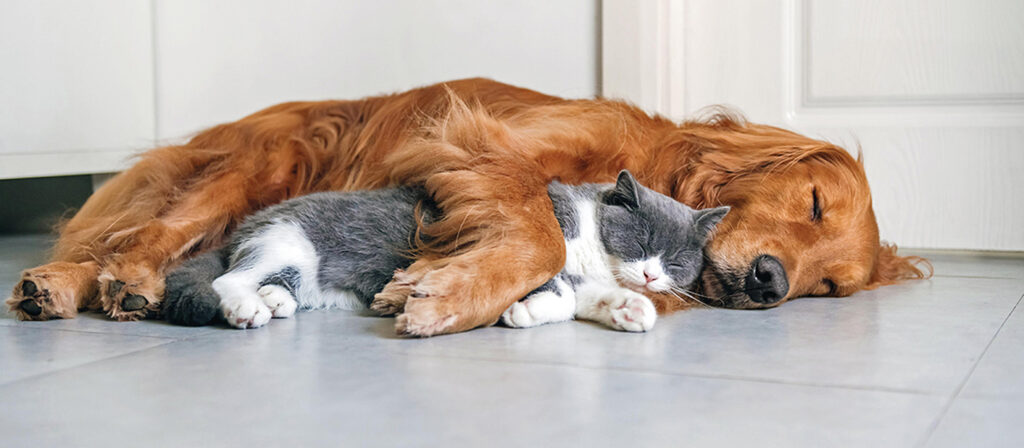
220	60
84	84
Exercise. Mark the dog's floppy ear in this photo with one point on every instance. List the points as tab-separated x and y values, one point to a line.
891	268
626	192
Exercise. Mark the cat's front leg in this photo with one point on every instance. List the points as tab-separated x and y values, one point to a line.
616	307
246	304
553	302
278	299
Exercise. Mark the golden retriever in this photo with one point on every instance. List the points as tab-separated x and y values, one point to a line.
801	221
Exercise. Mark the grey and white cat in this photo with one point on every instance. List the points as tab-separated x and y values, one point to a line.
339	249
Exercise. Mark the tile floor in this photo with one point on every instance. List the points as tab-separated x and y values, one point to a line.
934	364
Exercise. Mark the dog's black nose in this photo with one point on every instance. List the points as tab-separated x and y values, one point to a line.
766	282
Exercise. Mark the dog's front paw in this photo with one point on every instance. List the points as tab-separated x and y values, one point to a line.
54	291
391	300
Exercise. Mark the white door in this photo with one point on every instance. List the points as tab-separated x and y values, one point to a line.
931	91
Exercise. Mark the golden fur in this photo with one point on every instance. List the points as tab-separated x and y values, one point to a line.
485	151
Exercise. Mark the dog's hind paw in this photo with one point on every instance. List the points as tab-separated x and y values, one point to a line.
130	291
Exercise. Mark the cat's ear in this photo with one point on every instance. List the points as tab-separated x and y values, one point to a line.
708	218
626	192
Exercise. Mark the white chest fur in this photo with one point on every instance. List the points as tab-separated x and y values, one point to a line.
585	255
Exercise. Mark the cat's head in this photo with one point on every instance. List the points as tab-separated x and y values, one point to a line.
656	242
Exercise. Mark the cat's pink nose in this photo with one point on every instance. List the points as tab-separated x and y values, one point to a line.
649	277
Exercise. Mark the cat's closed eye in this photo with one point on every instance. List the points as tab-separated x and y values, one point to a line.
643	251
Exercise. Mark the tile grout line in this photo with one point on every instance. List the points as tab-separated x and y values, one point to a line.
725	377
193	335
170	338
95	361
963	384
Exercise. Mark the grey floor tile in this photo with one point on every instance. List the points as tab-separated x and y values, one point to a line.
923	337
977	422
18	252
1000	373
98	323
291	386
27	352
875	369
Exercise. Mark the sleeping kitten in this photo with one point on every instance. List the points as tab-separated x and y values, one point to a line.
620	240
339	249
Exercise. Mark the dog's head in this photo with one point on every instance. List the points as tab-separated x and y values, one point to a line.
801	222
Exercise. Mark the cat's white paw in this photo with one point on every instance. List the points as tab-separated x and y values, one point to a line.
517	316
278	300
632	312
538	309
248	312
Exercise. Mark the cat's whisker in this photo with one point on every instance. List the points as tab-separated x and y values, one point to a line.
696	299
692	295
676	295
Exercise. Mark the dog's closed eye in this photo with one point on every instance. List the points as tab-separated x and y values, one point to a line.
815	206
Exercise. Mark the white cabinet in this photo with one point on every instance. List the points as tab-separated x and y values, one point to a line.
76	85
85	84
221	60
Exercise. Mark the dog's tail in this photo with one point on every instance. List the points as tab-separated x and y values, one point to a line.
189	298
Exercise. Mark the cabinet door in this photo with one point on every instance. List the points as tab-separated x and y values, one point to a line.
221	60
933	92
76	85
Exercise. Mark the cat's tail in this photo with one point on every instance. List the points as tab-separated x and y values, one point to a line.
189	298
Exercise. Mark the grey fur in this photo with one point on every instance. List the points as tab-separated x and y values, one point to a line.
636	222
361	237
288	278
564	198
189	299
552	285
